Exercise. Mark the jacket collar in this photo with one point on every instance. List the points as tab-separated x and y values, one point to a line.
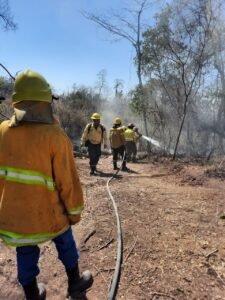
32	111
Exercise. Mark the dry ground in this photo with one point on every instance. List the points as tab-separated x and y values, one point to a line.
172	216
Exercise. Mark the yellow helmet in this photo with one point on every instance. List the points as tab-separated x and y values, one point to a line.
117	121
96	116
31	86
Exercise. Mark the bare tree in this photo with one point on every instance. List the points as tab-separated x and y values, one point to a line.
130	29
101	81
118	87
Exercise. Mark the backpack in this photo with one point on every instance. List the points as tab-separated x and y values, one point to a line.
89	129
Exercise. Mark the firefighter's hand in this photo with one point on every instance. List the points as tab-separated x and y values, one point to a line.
73	219
81	145
105	146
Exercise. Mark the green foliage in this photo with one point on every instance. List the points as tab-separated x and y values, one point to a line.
75	109
136	103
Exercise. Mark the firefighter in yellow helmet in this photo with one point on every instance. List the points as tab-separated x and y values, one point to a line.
40	190
117	142
131	136
93	136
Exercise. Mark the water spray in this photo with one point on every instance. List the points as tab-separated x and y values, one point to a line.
156	143
152	141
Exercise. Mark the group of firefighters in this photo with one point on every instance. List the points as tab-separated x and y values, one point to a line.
123	141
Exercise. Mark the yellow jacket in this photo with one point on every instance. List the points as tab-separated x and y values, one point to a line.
116	137
40	191
130	135
95	136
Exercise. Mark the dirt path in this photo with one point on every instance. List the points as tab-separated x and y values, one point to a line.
173	236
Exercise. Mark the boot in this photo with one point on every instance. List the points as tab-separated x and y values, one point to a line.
34	291
93	170
115	166
134	159
78	283
124	167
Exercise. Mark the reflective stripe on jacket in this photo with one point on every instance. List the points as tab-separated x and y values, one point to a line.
26	177
40	190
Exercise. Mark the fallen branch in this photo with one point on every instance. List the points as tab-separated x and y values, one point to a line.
211	253
129	253
99	272
107	270
212	269
104	246
89	236
163	295
83	249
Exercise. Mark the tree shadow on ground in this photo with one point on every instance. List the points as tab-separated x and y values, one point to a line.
82	296
105	174
129	171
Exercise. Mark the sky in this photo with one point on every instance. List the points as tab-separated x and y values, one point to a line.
54	39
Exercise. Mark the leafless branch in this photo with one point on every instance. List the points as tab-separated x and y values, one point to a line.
113	29
5	16
1	65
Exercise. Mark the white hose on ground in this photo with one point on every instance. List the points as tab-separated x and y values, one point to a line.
116	275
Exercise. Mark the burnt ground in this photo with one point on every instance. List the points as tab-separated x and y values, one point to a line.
173	223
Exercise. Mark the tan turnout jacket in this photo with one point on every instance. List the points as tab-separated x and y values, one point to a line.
95	136
40	191
116	136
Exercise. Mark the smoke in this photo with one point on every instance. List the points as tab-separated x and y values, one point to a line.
118	107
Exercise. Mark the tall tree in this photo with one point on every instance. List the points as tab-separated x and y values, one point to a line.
129	28
175	52
101	81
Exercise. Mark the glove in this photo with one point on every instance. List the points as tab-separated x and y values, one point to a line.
73	219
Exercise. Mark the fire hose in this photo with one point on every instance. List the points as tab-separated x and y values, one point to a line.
117	272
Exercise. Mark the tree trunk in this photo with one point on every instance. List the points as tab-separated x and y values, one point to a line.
181	127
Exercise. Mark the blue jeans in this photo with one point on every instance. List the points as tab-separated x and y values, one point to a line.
28	256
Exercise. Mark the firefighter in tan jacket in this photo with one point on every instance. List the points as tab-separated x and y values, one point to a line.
117	141
93	136
40	190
